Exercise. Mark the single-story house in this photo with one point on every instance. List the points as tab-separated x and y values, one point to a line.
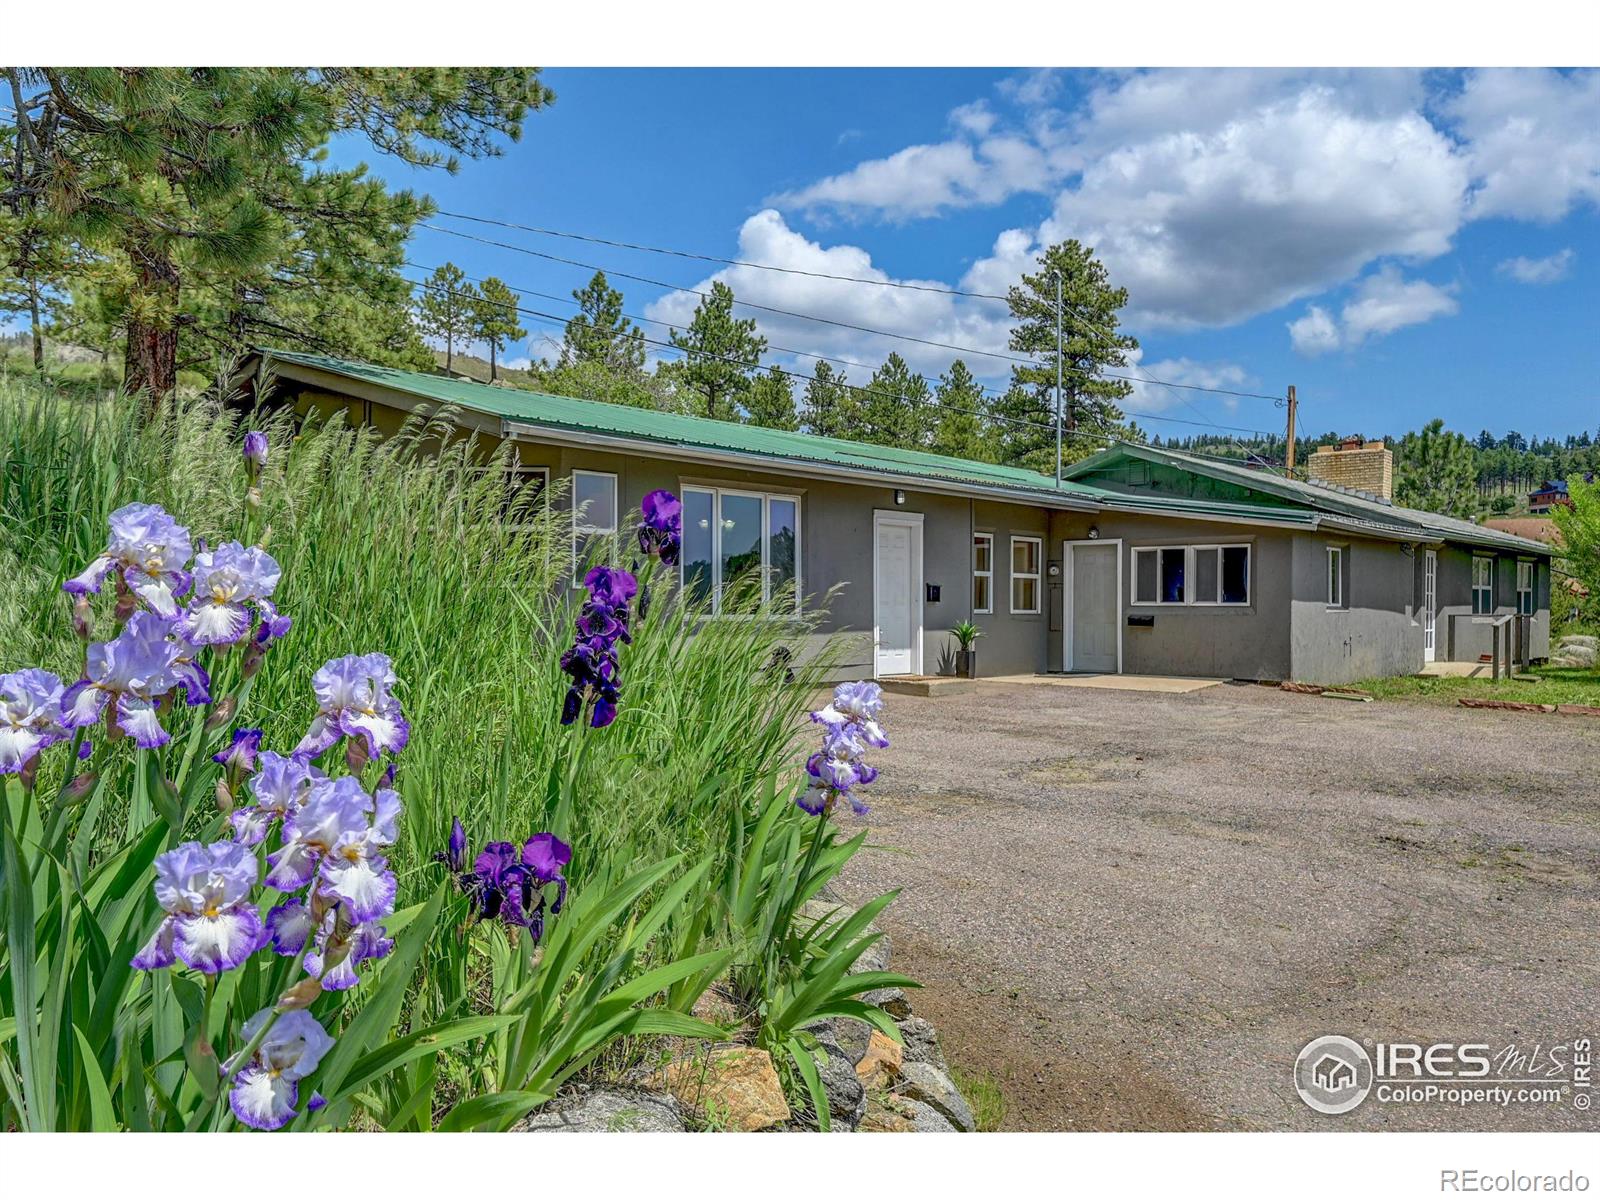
1141	560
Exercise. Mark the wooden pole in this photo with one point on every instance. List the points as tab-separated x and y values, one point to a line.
1288	454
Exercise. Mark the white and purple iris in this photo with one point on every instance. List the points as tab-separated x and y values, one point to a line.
353	700
661	531
849	728
211	924
30	717
280	786
229	583
149	550
267	1088
135	670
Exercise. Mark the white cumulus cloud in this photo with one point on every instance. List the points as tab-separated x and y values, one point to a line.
1551	269
1384	302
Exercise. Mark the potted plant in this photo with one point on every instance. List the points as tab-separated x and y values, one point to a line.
966	634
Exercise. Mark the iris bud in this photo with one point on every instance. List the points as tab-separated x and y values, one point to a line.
302	995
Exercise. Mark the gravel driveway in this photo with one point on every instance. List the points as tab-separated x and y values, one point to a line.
1134	909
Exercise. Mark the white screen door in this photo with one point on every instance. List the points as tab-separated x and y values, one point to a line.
1094	608
897	565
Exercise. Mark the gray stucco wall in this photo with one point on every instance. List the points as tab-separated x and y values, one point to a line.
1374	632
1461	639
1246	642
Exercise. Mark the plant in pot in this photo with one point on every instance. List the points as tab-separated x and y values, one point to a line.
966	635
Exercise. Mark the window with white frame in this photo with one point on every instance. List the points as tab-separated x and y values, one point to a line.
1525	578
594	515
1026	555
983	573
1337	597
1482	586
739	545
1195	575
526	488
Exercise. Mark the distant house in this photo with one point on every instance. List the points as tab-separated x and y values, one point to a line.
1547	495
1141	560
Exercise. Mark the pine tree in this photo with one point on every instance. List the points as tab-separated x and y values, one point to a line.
447	308
722	352
770	401
959	431
830	403
1436	470
495	320
894	406
1090	344
205	196
600	333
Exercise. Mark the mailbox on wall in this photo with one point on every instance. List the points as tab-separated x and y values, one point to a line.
933	593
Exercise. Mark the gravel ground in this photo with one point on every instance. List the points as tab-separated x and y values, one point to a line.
1134	909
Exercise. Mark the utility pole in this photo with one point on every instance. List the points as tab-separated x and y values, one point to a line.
1059	410
1288	455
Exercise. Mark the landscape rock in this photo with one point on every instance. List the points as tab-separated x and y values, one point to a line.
881	1064
847	1096
1586	640
884	1116
927	1083
733	1087
921	1042
892	1000
607	1110
874	958
1573	656
925	1118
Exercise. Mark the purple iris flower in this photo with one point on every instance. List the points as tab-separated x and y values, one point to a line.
267	1088
592	660
272	624
661	531
211	924
849	727
354	869
136	668
342	946
454	855
335	808
280	787
240	755
612	586
544	854
150	550
353	700
255	451
30	717
509	884
228	582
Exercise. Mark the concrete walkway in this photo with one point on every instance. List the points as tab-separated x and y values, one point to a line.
1116	683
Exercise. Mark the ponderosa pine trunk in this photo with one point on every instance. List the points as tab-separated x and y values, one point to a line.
150	363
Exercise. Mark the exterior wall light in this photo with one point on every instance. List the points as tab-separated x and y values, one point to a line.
899	496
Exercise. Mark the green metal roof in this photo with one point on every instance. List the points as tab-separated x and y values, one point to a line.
1346	506
680	429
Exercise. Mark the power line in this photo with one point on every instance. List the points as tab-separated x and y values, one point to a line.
732	262
555	319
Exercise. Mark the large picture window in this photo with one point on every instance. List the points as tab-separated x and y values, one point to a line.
1026	553
739	544
1215	575
1482	586
594	514
983	573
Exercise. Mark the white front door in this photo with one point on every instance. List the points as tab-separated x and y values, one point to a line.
897	567
1094	608
1430	603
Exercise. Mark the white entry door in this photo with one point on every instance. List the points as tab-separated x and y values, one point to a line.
1093	608
897	593
1430	604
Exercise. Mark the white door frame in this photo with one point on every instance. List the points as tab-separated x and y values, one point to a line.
913	522
1066	596
1430	606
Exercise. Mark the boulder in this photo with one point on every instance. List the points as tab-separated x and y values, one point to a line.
925	1118
884	1116
1574	655
921	1042
1586	640
847	1096
930	1085
874	958
607	1110
892	1000
733	1087
880	1065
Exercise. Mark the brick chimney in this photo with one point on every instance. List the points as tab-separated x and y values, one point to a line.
1365	466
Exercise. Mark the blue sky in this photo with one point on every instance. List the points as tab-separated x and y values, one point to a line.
1399	245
